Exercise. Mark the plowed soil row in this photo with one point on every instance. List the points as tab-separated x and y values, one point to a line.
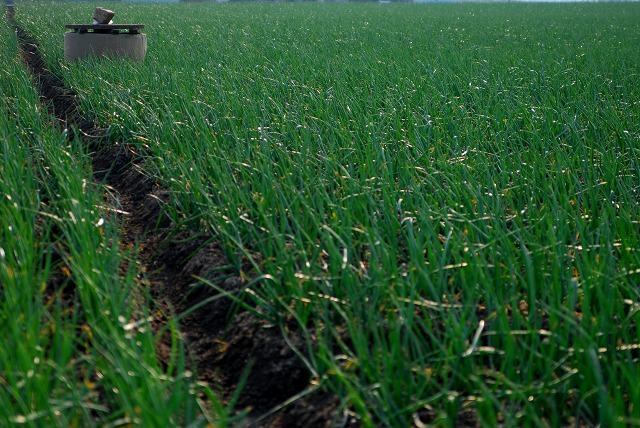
222	340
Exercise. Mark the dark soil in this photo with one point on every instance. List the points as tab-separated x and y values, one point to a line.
223	341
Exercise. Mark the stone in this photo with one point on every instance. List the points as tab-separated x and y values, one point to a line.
102	16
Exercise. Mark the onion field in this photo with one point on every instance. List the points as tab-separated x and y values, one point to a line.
442	200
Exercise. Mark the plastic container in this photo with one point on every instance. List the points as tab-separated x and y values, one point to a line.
111	40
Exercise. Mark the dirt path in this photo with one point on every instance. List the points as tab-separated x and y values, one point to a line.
221	340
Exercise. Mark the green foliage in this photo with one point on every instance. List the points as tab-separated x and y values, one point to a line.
445	195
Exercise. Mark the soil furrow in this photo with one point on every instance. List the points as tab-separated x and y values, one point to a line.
171	258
